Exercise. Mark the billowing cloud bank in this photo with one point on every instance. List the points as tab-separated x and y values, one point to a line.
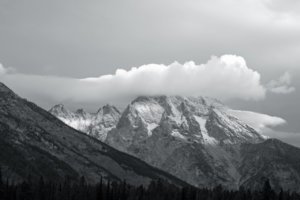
224	77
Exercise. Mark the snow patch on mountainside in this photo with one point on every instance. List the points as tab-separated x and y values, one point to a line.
207	139
151	112
79	124
151	127
176	134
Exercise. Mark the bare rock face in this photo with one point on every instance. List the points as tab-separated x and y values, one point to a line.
34	142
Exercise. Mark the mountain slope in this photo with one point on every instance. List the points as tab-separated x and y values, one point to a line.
272	159
35	142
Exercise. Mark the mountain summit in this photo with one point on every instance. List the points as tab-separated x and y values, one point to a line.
192	138
202	120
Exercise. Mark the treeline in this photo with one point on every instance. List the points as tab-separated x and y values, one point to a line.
69	190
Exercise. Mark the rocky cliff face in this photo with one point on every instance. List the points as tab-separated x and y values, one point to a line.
34	142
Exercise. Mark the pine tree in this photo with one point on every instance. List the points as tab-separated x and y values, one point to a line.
183	194
1	184
26	191
280	197
41	189
107	195
158	190
82	189
123	191
99	192
267	191
66	189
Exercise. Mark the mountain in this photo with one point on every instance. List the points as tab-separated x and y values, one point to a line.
35	143
191	138
197	140
94	124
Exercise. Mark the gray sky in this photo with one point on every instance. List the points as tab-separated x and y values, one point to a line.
51	41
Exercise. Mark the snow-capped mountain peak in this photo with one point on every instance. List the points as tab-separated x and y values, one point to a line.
60	111
95	124
197	139
187	117
192	138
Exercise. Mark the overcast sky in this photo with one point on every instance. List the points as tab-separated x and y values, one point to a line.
87	53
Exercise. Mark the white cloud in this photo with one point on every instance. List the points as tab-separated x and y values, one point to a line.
6	70
222	77
258	121
2	70
281	85
225	77
283	90
265	124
